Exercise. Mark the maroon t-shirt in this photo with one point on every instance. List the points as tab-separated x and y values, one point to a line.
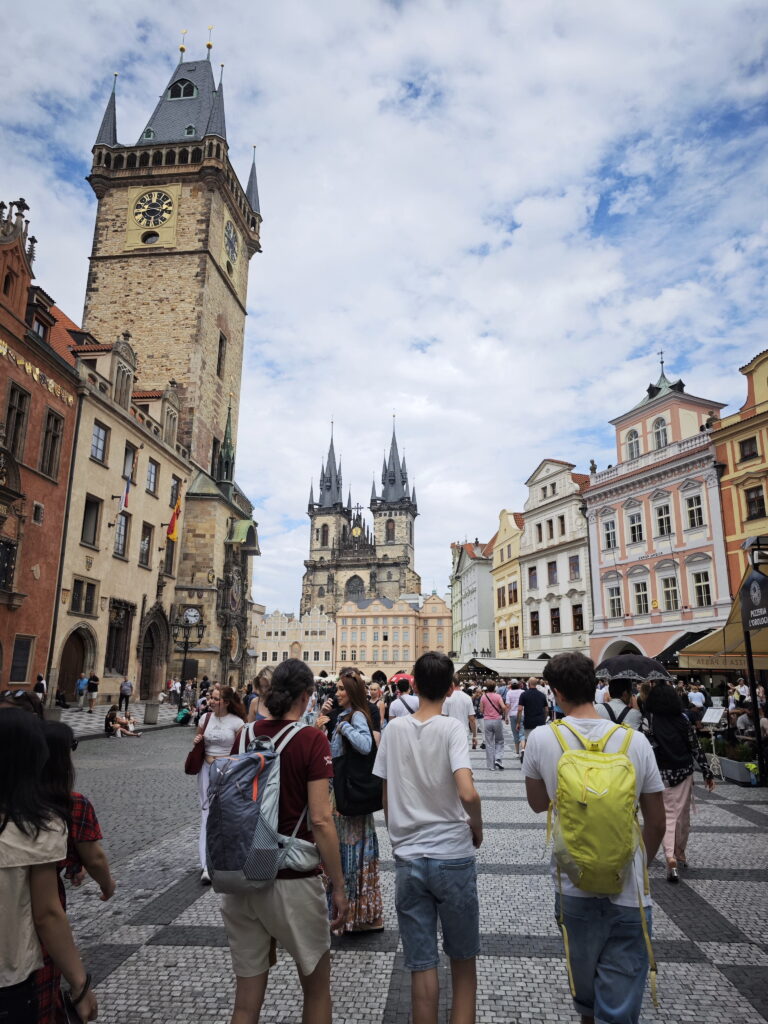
306	759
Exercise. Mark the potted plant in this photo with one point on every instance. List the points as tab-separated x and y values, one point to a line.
735	756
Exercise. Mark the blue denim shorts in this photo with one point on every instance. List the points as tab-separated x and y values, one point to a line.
427	889
609	957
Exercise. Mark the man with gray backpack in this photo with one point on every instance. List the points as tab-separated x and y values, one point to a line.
270	825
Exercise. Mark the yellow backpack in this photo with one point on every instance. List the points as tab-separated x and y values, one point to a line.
595	829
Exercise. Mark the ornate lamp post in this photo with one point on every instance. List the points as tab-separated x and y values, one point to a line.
182	629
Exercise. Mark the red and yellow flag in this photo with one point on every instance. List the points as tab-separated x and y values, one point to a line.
173	526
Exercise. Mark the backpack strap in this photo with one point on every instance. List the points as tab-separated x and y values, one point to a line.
623	714
611	712
598	745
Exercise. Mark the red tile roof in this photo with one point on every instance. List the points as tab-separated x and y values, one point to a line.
146	395
92	350
60	339
582	479
519	520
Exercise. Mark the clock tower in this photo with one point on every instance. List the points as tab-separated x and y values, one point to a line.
174	234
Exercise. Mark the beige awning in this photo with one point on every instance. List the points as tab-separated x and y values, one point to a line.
722	650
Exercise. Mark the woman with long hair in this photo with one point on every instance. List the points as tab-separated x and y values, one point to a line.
217	730
84	852
676	746
376	702
33	840
358	842
257	706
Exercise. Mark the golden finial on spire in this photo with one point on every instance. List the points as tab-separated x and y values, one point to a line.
182	48
209	44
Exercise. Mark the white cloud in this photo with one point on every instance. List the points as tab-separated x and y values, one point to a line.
485	216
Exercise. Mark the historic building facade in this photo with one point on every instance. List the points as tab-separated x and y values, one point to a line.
554	562
174	234
741	450
349	561
38	416
311	638
656	532
472	600
507	586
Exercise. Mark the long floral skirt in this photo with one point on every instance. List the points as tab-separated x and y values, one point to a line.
359	847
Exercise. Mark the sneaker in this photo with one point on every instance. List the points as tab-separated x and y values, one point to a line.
205	878
500	766
672	875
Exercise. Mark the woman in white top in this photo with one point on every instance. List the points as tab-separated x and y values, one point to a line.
217	730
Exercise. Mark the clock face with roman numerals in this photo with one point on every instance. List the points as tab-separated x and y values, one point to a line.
152	209
230	241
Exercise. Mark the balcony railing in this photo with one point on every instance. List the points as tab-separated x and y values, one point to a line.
669	451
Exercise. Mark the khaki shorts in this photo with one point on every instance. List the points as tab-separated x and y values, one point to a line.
292	910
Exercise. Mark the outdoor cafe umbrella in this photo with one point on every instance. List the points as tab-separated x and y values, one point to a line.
635	667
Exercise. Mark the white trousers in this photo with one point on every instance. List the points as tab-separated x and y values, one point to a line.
202	789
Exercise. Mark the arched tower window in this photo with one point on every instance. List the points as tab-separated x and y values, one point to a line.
410	533
633	445
182	89
660	432
355	589
324	535
389	531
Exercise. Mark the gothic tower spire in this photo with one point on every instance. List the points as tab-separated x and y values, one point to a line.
108	130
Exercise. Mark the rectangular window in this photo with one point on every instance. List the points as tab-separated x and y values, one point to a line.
533	578
501	597
22	654
315	655
512	592
129	463
574	567
561	525
145	545
153	476
609	534
344	636
554	620
578	618
385	635
514	637
285	656
263	655
305	655
354	636
614	602
221	356
539	534
122	524
343	654
7	563
641	597
552	572
16	421
274	655
748	449
534	623
83	597
550	530
502	639
375	635
670	595
663	521
89	533
755	502
99	442
509	550
215	449
168	559
51	450
635	520
695	511
175	489
702	589
326	656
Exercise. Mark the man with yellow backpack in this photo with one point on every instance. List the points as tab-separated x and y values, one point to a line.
593	776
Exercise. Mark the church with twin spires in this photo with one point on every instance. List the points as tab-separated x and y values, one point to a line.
349	560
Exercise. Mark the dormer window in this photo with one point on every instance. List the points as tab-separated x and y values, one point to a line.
149	133
189	130
182	89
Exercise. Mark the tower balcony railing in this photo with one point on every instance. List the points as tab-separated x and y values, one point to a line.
669	451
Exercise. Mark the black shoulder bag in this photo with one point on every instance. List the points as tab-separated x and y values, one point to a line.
356	789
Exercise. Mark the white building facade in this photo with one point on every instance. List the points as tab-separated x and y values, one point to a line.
311	638
472	607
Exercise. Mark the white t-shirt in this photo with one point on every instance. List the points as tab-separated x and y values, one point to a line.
460	707
397	708
425	817
542	753
696	697
220	734
633	718
513	699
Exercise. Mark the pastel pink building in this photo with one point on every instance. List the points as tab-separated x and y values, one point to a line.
656	544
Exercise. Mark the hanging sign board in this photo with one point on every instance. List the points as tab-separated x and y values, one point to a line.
754	601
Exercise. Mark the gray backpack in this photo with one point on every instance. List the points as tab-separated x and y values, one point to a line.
244	849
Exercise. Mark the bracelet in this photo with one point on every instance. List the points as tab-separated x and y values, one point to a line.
86	986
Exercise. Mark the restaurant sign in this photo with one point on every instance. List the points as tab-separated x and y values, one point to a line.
754	601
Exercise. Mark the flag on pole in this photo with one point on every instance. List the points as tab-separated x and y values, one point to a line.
173	526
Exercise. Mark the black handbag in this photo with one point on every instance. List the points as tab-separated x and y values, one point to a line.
356	789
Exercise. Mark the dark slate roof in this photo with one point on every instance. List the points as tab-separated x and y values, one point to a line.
394	476
216	122
252	191
330	481
171	117
108	131
366	602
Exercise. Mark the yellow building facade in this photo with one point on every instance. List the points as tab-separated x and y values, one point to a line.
507	586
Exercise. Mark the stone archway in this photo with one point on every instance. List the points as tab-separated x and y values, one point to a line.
619	647
78	654
152	651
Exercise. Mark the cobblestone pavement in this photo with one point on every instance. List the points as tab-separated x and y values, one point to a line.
158	951
88	726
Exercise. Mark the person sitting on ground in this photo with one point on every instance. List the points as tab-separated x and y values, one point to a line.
405	703
116	725
434	819
622	705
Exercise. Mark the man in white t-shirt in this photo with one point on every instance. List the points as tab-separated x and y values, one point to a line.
607	948
459	705
619	706
434	820
405	703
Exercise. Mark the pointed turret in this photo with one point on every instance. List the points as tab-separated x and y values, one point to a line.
226	467
395	478
373	489
349	501
108	131
252	189
216	122
330	481
311	495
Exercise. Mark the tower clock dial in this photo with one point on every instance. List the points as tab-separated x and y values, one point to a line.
152	209
231	243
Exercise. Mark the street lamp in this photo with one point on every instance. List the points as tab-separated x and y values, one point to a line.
181	629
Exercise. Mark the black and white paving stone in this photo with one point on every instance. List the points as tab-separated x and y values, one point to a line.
158	950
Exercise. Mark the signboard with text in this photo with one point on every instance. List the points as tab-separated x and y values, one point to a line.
754	601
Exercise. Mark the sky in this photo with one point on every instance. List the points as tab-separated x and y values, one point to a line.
485	217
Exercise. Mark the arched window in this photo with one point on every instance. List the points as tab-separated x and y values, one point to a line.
131	161
144	160
170	156
324	535
355	589
660	432
321	591
184	156
149	133
389	531
157	158
410	533
7	283
197	155
633	445
108	160
189	130
118	163
182	89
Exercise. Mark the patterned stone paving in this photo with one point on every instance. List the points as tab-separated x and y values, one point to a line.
158	951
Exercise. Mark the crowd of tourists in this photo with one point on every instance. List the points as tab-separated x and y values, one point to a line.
295	771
